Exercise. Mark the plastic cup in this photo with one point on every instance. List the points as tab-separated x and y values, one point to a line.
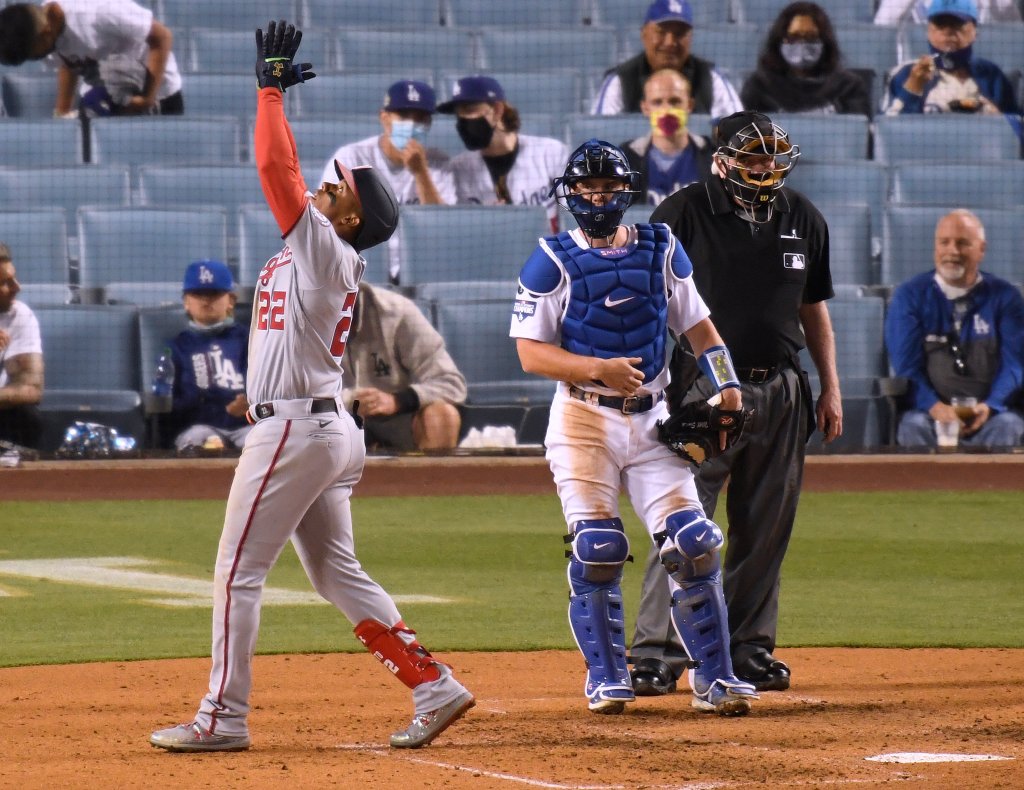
947	435
964	407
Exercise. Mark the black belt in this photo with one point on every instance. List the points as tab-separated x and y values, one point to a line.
635	404
757	375
318	406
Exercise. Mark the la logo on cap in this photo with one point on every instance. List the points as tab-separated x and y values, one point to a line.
675	6
205	275
411	93
457	89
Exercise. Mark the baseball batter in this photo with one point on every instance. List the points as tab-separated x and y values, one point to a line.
304	454
592	312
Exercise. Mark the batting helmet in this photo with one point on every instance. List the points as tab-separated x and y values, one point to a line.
596	159
757	156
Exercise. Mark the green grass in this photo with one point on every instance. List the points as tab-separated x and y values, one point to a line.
894	569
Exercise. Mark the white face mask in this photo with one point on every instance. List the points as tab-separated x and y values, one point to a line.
403	131
802	54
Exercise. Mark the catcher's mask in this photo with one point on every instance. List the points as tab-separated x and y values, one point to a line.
596	159
756	155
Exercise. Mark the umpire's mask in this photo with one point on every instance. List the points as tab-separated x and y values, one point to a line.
756	155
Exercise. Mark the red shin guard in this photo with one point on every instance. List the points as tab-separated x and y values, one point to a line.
397	649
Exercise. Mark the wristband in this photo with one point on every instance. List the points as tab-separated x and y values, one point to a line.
716	364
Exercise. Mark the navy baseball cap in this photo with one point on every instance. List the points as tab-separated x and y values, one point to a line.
410	95
207	276
964	10
473	89
670	11
378	203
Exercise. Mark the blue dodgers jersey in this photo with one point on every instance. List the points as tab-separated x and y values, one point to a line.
617	300
210	371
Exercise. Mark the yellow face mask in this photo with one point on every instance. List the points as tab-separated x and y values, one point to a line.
669	121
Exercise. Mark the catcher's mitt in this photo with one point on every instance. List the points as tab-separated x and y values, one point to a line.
692	431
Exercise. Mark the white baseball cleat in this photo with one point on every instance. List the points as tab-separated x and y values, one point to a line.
610	698
423	729
194	738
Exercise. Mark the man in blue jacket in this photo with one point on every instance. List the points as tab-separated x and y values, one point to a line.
958	332
950	78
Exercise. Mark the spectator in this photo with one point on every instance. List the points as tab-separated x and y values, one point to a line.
666	35
671	156
957	331
21	362
893	12
210	363
121	53
501	166
417	174
950	78
800	68
398	369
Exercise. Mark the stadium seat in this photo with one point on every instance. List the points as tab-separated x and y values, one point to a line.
234	15
629	14
850	242
38	242
44	294
230	186
844	182
591	50
614	129
217	95
983	184
351	93
29	95
437	248
64	187
179	141
232	52
908	241
31	143
157	326
534	14
944	138
868	46
826	138
557	92
145	245
318	138
379	14
535	424
392	50
143	294
731	47
841	12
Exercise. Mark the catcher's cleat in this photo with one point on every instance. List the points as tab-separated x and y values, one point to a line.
423	729
725	697
194	738
652	677
609	698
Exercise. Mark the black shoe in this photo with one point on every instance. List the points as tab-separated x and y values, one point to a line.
652	677
764	671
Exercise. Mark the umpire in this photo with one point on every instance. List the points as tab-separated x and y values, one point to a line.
760	257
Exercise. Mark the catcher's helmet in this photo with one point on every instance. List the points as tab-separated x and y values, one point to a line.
596	159
757	156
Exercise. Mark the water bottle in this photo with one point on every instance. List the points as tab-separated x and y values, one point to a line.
163	383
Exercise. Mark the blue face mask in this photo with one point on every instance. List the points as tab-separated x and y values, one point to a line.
403	131
948	61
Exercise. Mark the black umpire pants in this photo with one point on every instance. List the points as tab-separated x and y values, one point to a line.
765	472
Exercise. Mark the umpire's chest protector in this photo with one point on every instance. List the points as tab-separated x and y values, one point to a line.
617	303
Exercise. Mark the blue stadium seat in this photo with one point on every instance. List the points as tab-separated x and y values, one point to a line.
217	95
868	46
844	182
850	242
351	93
437	248
226	15
614	129
379	14
841	12
908	241
64	187
535	14
143	294
591	50
318	138
826	138
29	95
731	47
38	242
629	14
983	184
944	138
145	245
557	92
232	52
467	289
31	143
181	141
44	294
410	50
230	186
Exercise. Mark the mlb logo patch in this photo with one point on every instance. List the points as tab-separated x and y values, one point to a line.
793	260
523	308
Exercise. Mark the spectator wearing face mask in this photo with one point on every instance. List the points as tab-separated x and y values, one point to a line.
416	174
950	78
800	68
501	166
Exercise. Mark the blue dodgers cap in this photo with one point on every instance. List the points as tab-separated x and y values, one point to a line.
207	276
965	10
410	95
670	11
473	89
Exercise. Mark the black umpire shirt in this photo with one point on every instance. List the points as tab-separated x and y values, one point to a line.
754	278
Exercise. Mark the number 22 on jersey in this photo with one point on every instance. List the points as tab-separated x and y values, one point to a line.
270	316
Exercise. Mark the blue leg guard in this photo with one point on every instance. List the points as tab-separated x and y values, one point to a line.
599	550
690	554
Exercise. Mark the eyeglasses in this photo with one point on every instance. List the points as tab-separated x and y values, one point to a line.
959	363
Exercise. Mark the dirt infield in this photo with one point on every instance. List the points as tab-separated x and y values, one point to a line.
323	720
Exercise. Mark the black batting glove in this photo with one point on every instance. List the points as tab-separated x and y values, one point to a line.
274	55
